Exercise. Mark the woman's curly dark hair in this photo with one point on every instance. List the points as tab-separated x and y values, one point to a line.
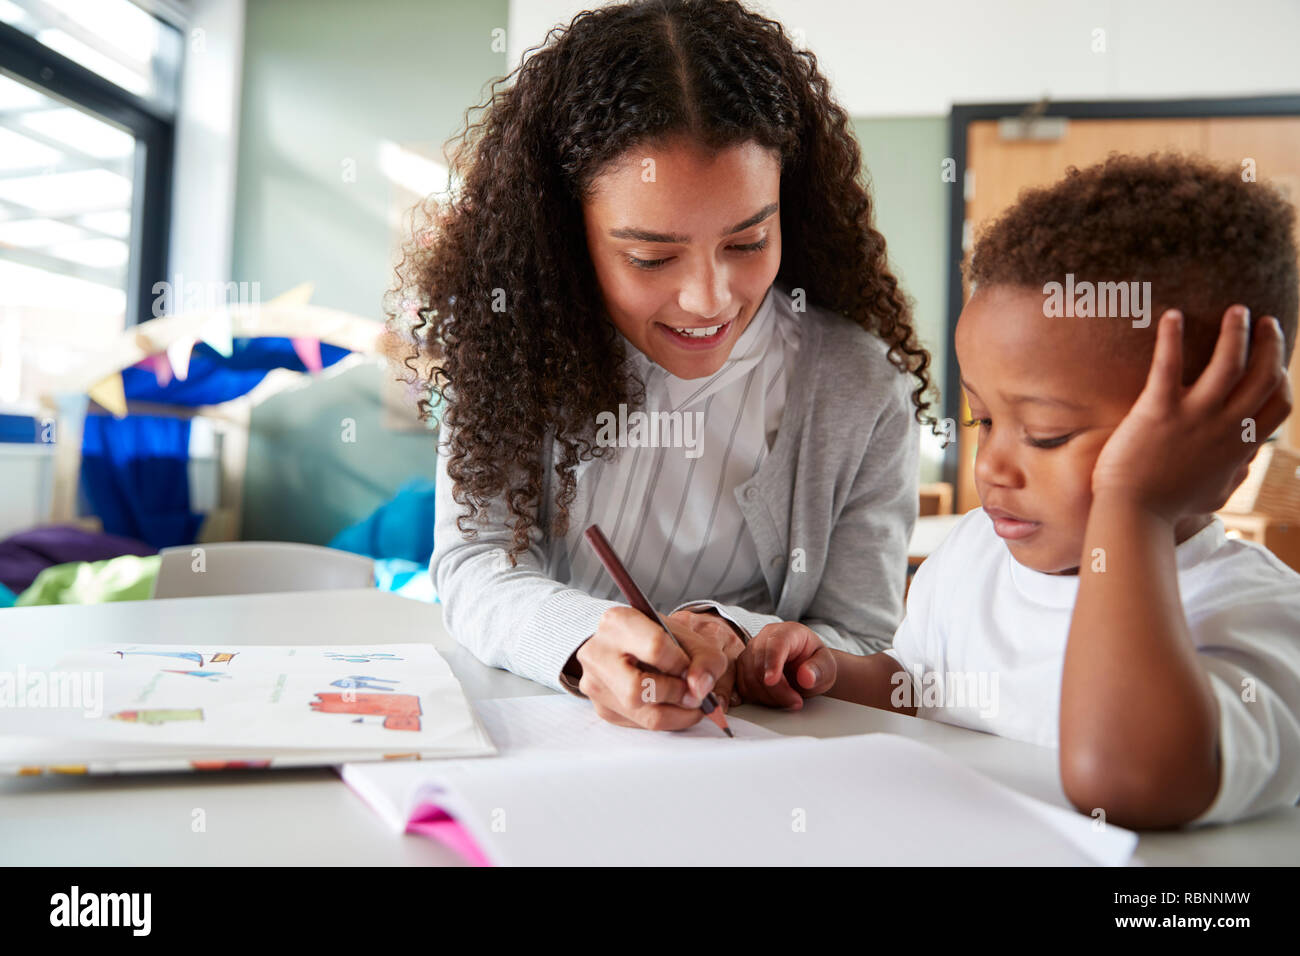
497	308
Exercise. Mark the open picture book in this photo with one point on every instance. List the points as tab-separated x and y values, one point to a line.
149	707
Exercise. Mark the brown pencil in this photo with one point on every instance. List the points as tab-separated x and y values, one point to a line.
605	551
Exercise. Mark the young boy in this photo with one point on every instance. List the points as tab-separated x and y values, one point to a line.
1094	603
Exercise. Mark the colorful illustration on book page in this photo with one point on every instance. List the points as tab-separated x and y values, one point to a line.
157	715
359	682
194	656
223	657
400	711
246	701
364	657
209	675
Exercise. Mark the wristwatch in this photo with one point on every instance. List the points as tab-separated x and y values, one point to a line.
571	673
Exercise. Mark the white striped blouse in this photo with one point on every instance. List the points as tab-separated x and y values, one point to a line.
666	500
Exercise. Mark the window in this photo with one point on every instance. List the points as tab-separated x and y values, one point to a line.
88	93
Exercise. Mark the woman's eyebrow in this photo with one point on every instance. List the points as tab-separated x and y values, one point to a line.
637	234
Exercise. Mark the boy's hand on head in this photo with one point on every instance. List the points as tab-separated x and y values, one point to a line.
1183	451
783	664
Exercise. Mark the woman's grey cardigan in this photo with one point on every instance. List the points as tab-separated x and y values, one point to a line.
830	510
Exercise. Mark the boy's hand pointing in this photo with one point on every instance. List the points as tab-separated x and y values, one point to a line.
783	664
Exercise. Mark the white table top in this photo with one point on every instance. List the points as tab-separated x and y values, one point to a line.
310	817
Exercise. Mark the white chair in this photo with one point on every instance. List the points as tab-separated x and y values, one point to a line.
258	567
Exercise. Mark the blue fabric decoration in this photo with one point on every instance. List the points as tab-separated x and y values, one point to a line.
19	429
214	379
392	574
400	528
135	473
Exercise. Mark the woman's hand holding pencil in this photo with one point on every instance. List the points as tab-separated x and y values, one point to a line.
636	676
637	669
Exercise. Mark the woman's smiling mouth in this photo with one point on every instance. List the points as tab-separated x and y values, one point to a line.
696	337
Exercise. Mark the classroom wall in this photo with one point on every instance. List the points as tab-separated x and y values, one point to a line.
886	58
207	143
326	84
902	158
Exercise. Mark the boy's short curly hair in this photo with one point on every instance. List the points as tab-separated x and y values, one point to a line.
1201	235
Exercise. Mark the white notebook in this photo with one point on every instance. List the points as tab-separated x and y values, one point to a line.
570	789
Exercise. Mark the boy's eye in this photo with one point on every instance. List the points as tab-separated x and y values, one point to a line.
651	264
1056	442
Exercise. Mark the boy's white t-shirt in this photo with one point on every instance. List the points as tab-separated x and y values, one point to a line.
984	640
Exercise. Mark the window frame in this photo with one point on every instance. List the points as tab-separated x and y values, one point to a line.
154	129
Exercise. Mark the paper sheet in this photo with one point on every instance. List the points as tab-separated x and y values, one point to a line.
560	723
546	726
571	789
872	799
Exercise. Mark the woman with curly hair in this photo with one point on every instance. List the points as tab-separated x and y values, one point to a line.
657	303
